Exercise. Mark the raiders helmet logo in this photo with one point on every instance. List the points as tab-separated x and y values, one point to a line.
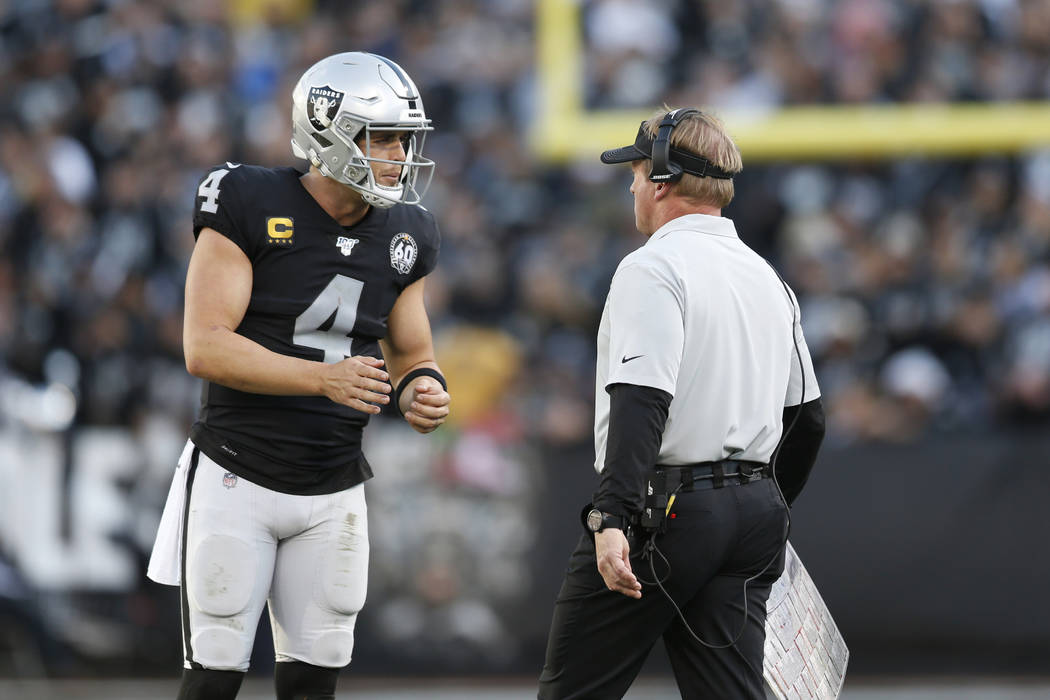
403	253
322	105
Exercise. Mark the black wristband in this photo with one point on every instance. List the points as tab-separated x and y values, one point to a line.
420	372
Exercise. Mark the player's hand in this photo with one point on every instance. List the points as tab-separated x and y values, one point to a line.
427	404
358	382
614	564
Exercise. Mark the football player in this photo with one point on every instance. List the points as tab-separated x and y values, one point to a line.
304	316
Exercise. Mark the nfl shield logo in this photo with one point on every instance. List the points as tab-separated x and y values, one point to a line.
322	104
229	480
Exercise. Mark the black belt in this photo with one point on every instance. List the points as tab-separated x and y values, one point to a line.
712	475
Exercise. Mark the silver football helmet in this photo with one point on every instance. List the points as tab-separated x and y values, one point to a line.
337	105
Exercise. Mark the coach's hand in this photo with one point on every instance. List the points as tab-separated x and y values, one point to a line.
614	564
425	404
358	382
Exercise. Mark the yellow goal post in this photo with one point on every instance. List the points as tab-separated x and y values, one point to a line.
565	130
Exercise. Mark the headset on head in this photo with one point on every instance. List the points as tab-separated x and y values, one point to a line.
664	169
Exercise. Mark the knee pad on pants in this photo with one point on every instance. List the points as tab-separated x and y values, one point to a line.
333	649
220	648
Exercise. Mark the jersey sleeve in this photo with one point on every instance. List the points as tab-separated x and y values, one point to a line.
219	204
428	248
646	327
802	377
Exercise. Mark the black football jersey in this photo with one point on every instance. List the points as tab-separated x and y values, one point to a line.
320	292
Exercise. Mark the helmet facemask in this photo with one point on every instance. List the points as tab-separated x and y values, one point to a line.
359	175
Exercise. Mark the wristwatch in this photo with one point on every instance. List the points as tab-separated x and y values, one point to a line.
598	520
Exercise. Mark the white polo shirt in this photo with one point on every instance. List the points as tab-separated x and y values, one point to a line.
698	314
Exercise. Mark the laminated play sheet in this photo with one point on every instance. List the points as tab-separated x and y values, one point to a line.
805	655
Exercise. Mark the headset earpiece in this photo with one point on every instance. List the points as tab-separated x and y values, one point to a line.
664	169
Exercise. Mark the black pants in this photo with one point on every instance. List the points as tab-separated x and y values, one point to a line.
719	537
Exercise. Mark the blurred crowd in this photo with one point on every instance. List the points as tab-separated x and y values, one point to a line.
924	284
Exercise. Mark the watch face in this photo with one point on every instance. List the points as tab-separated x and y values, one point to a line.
594	520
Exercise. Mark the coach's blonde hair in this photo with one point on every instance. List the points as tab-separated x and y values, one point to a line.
704	135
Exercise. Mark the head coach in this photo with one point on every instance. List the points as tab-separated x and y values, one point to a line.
707	423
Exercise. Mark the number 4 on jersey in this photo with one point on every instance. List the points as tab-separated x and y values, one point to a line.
339	298
209	188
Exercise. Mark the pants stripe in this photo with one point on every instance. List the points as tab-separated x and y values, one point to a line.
185	531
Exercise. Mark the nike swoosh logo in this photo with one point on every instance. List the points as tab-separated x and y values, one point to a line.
628	359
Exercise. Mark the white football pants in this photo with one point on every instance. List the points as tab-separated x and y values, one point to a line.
306	556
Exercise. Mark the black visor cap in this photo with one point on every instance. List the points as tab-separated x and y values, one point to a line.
643	148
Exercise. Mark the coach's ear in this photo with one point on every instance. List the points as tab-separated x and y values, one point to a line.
661	190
